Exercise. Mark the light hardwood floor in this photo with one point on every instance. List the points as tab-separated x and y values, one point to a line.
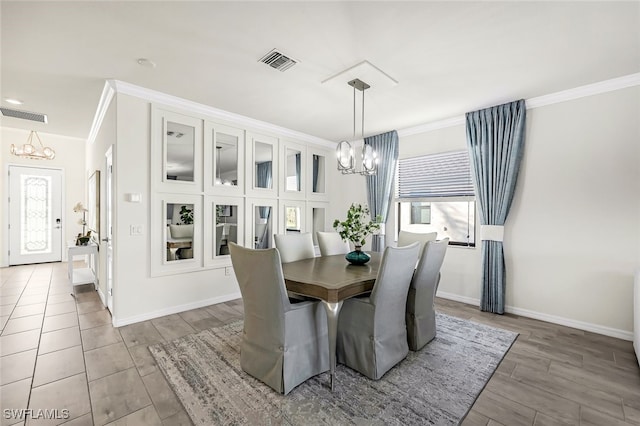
61	353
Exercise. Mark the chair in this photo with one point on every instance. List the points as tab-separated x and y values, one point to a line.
372	334
330	243
219	229
421	315
405	238
294	247
283	344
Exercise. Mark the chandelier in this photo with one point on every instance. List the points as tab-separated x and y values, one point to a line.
28	150
344	151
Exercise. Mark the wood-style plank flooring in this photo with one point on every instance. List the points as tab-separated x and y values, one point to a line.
62	353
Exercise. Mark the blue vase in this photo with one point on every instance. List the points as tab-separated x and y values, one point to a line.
357	257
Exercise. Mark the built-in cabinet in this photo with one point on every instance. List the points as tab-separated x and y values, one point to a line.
214	183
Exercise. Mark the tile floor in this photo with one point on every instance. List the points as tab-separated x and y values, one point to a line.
61	353
57	352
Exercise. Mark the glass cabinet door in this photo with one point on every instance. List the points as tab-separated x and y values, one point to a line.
317	178
224	159
317	219
262	220
224	225
293	217
262	165
180	152
292	170
176	153
179	232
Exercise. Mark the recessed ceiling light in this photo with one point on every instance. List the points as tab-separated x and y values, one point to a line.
146	62
13	101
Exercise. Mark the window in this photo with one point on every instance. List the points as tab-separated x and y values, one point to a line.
293	218
435	193
420	213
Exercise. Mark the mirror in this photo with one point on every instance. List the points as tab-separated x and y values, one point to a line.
226	228
225	159
317	223
179	231
318	179
263	227
179	160
263	159
292	219
293	170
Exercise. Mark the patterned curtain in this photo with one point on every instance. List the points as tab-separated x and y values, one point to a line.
380	185
495	138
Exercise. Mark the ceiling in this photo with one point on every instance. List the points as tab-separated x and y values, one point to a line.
448	57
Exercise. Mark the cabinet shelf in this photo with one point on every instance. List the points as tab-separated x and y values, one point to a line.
79	276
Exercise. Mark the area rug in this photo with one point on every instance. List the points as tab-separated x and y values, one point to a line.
436	385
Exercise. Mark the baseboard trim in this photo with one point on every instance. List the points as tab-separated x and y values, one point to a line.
117	322
554	319
103	299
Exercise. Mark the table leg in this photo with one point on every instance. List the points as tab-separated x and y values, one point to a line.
332	310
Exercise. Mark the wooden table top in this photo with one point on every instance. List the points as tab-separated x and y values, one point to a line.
179	242
331	278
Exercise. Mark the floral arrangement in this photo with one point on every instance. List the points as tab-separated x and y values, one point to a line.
357	227
83	238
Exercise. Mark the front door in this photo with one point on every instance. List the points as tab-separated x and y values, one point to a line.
35	215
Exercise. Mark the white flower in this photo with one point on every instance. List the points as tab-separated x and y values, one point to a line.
81	222
79	207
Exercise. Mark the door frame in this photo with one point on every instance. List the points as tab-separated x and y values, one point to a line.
4	256
109	212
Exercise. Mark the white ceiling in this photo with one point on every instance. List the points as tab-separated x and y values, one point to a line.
448	57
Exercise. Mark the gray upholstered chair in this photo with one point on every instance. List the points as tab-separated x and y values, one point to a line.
330	243
294	246
421	315
219	229
372	334
283	344
405	238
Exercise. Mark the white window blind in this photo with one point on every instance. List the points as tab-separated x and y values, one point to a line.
446	174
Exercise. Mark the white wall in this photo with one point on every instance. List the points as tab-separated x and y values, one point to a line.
70	154
95	161
137	295
572	240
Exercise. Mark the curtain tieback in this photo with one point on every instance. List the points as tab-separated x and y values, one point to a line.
492	232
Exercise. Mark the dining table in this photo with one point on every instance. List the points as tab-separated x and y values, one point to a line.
331	279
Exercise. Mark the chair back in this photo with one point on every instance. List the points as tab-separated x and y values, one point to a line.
389	293
331	243
264	295
233	234
427	275
293	247
219	229
405	238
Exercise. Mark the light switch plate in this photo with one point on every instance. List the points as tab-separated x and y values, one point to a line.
135	230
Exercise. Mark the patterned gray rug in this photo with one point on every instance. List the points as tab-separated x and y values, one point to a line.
437	385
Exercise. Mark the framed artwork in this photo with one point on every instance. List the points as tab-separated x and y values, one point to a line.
93	205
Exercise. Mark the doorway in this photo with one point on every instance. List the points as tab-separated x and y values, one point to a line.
108	239
35	215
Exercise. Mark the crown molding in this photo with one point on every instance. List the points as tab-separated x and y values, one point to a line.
108	92
539	101
584	91
198	108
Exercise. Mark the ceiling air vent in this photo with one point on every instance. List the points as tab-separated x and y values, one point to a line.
278	60
25	115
